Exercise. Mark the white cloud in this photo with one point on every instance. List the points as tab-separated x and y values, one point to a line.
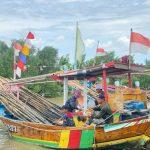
70	1
147	2
124	40
89	42
60	38
107	44
42	1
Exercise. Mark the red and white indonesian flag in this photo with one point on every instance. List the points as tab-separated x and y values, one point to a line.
100	52
139	43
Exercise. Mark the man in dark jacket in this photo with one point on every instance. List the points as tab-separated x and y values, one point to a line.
102	112
72	103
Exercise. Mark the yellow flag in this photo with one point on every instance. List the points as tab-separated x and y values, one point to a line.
25	49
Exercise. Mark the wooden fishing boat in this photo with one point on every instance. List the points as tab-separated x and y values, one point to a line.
83	137
78	137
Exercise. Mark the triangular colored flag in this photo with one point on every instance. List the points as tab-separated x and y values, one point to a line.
25	50
16	52
23	58
139	43
30	35
28	43
21	65
100	52
80	48
17	46
18	72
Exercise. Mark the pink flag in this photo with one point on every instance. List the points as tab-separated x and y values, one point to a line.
139	43
30	35
100	52
17	47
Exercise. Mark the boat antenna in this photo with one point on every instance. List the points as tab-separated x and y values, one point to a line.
130	49
96	54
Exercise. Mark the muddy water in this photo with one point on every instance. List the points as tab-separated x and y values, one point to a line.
6	143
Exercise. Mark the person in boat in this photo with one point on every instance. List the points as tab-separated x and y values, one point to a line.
99	91
72	103
67	117
101	112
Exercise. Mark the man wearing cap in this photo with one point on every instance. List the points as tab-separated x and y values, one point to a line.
72	103
102	112
99	90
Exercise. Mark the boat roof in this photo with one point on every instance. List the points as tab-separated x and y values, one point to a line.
112	68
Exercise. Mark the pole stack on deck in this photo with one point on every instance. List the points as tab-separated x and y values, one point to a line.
30	106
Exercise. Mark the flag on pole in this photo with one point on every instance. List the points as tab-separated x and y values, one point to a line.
17	47
139	43
24	52
25	49
80	48
18	72
30	36
100	52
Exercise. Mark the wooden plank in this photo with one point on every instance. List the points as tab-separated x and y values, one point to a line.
87	139
74	140
64	139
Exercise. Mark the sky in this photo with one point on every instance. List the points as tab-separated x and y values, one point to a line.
54	23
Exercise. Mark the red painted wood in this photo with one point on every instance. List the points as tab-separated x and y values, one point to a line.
74	140
105	84
129	80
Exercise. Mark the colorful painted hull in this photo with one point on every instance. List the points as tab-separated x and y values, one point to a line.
75	137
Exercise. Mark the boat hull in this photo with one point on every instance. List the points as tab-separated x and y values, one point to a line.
75	137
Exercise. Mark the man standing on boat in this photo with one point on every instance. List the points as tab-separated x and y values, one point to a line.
72	103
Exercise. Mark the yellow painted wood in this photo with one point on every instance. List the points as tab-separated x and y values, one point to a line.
78	123
137	138
64	139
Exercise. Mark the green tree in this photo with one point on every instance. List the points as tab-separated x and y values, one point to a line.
48	59
6	60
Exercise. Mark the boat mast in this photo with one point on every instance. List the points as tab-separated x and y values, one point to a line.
14	66
104	77
129	74
85	95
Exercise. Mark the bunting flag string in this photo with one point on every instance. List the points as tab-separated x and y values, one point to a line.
23	53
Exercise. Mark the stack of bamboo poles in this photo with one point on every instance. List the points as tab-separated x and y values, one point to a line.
30	106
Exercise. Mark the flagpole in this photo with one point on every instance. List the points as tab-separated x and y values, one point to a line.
130	51
96	53
75	57
14	66
129	74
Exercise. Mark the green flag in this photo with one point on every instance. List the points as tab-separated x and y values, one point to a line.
80	48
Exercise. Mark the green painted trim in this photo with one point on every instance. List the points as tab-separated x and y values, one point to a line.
87	139
36	141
